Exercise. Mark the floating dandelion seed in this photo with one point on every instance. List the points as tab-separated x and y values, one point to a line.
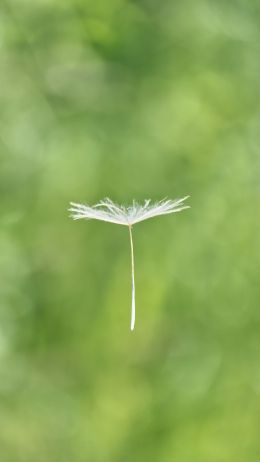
107	210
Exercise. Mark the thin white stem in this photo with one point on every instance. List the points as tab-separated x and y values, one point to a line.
133	280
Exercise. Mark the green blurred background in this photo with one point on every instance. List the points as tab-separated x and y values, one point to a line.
129	99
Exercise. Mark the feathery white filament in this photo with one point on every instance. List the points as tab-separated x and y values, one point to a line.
107	210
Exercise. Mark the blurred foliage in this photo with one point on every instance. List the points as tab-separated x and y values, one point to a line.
129	99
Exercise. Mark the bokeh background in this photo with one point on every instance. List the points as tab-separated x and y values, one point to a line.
129	99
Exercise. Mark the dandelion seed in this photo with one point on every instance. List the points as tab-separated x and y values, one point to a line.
107	210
